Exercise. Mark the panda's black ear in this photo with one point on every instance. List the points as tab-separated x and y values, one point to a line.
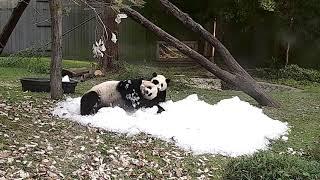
154	74
168	80
139	81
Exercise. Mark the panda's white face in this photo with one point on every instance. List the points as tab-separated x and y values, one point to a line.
148	90
160	82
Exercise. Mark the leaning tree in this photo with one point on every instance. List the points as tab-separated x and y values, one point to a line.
236	75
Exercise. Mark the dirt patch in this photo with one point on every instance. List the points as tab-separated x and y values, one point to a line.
203	83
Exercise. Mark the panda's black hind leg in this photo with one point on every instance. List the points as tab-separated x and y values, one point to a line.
90	103
160	109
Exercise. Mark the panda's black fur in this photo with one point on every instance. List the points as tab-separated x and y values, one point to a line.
130	97
89	103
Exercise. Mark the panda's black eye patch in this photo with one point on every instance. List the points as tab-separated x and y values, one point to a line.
150	94
155	82
149	87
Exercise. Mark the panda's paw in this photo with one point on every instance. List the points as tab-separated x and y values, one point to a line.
160	109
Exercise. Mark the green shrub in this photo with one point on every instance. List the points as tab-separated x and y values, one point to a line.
290	72
272	166
11	61
38	65
297	73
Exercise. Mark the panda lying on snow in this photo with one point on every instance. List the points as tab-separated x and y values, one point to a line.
128	94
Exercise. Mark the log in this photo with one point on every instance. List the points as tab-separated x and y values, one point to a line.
75	72
248	86
11	24
56	47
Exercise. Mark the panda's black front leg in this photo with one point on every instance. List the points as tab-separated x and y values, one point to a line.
160	109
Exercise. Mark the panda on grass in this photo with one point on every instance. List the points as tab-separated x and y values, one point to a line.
127	94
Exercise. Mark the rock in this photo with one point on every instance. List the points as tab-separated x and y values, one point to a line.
98	73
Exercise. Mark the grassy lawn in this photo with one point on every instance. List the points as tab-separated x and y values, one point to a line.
36	145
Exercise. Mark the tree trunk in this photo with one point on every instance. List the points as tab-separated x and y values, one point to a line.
56	48
251	87
111	54
225	54
248	86
11	24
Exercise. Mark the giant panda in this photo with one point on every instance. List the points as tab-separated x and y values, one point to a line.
127	94
162	83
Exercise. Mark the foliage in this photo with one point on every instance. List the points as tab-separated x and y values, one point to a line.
313	152
272	166
290	72
305	16
268	5
36	64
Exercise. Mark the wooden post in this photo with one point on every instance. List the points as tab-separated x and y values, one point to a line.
214	35
11	24
56	48
288	44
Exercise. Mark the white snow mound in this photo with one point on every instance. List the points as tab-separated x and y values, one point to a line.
231	127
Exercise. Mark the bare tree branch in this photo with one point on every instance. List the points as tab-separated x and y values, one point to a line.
12	22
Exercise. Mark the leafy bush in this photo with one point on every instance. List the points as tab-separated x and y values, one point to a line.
272	166
12	62
37	64
313	152
297	73
290	72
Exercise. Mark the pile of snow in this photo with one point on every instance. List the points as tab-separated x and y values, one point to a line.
66	78
231	127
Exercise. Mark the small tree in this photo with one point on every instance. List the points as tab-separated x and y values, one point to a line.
111	54
56	48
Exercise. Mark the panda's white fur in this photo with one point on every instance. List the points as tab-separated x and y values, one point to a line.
124	94
162	82
109	96
148	90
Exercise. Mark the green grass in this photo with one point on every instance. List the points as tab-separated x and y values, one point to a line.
300	109
38	65
272	166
